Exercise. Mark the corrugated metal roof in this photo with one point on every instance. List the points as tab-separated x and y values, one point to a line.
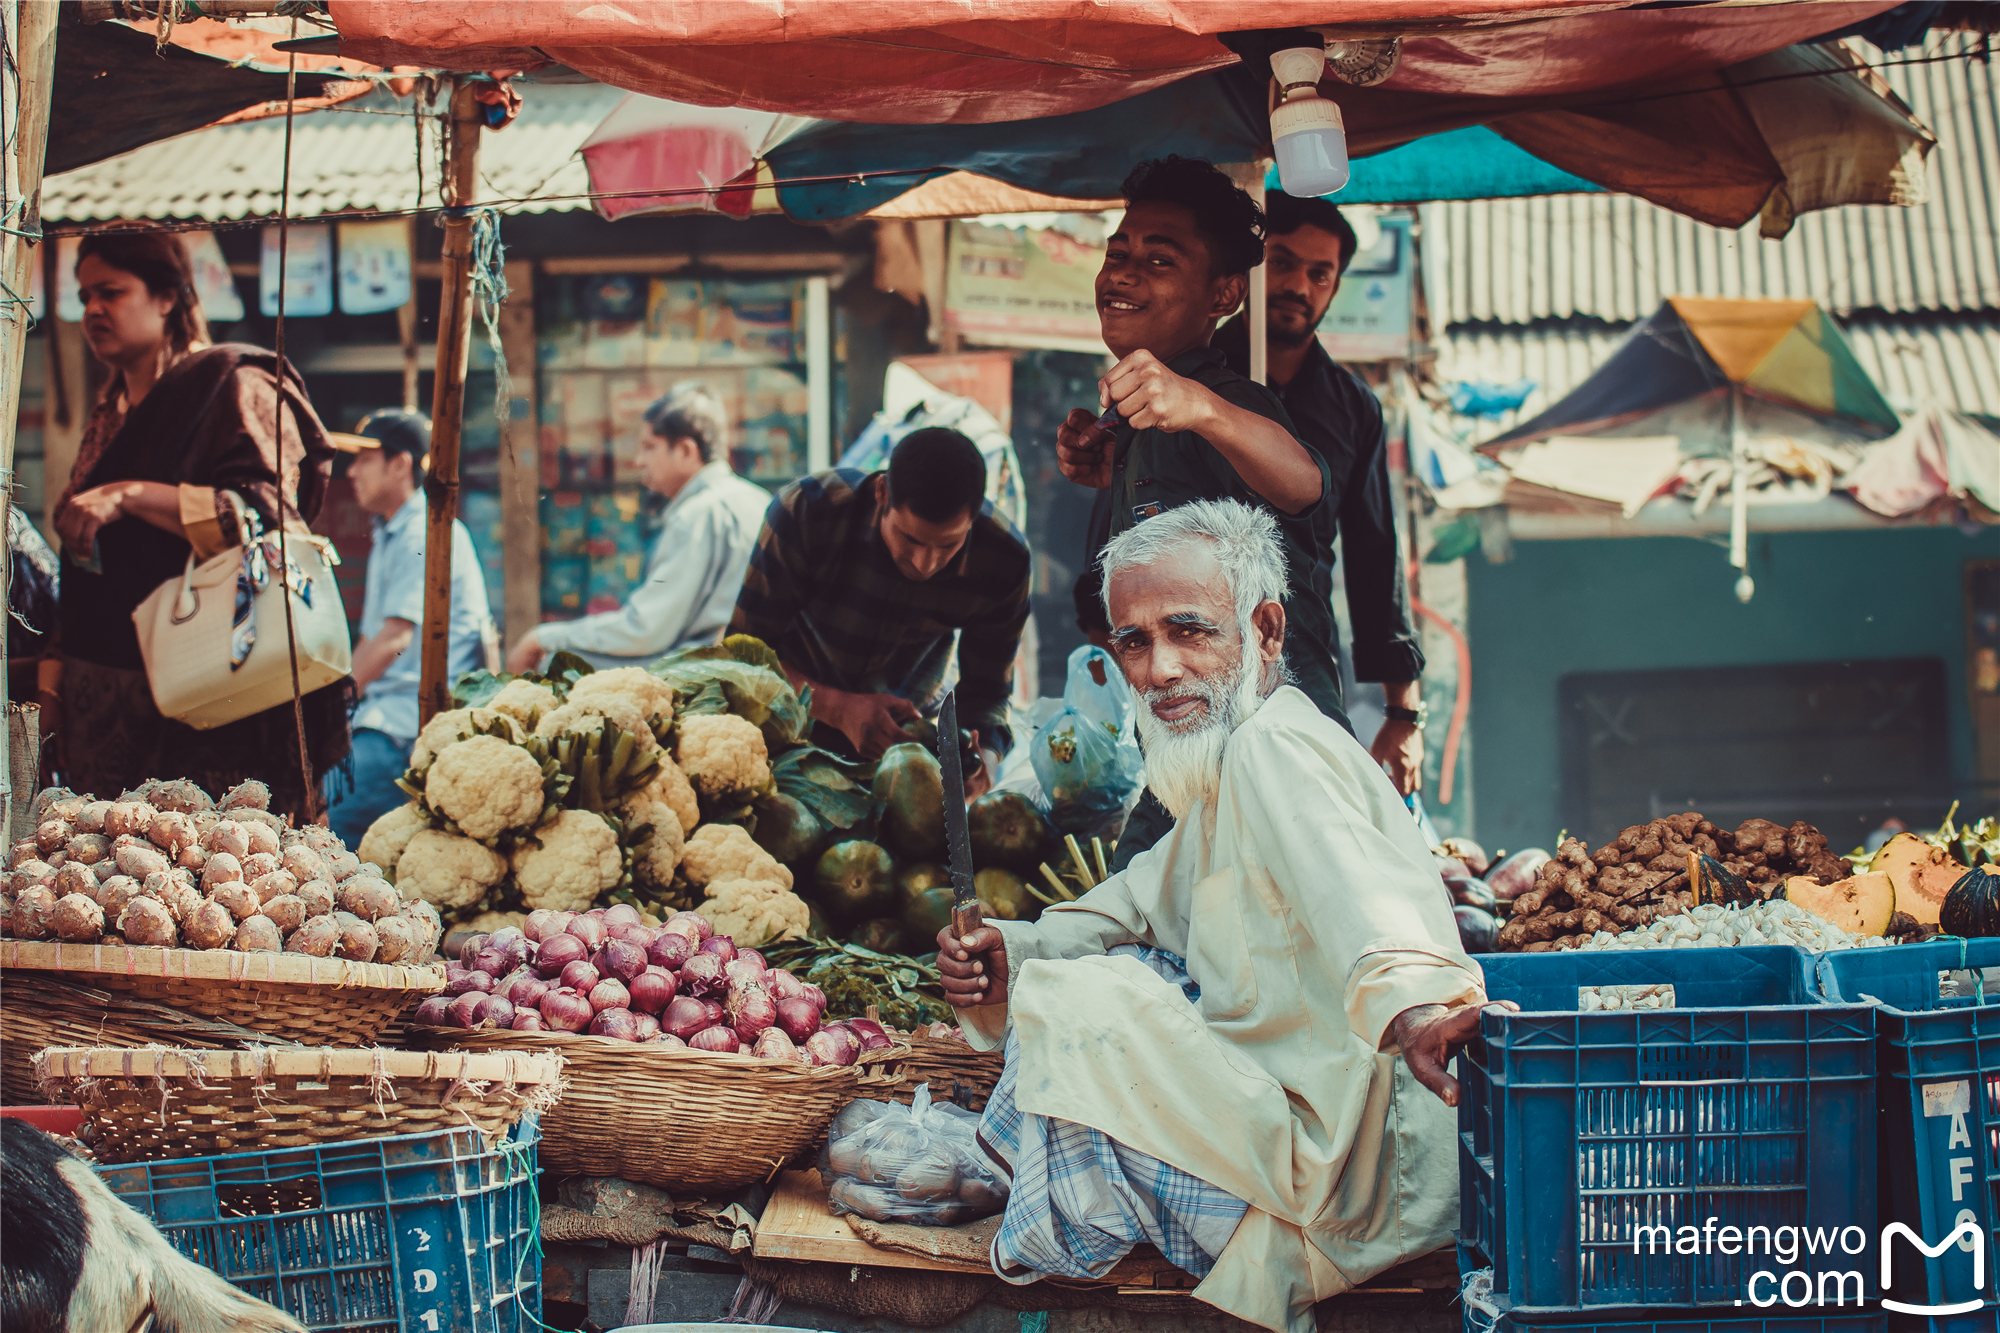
1954	360
362	156
1613	257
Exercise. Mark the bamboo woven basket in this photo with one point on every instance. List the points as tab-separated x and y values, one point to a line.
157	1102
955	1072
685	1121
290	996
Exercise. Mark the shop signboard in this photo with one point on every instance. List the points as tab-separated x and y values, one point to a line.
308	272
374	266
1022	287
1369	319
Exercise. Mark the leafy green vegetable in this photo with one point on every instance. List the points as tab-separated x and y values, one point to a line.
709	698
475	689
565	668
756	694
835	789
754	651
905	991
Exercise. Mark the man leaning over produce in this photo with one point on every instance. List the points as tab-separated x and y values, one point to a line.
1217	1049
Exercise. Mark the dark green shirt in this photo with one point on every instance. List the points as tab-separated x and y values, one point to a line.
1155	470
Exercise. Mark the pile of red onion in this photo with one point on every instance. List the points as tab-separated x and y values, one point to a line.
605	973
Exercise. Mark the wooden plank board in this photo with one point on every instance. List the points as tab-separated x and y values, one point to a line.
797	1225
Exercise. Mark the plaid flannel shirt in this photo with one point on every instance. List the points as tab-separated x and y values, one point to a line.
823	590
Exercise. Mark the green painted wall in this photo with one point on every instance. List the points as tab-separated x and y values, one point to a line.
1650	603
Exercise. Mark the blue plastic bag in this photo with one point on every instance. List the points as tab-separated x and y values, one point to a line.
1086	757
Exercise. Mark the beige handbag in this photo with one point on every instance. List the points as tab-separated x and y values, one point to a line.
214	638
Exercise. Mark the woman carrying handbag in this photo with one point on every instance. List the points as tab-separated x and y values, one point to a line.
181	456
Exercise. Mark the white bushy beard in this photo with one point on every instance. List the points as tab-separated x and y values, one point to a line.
1184	762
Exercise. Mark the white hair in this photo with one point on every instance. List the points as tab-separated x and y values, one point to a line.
1184	759
1244	541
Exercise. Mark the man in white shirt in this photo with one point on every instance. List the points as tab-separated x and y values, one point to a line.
1236	1048
696	567
385	460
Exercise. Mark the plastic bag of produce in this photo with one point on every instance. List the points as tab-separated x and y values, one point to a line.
917	1163
1087	757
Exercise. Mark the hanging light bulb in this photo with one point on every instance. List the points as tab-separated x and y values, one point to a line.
1305	128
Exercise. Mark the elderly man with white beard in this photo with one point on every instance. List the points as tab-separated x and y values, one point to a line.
1218	1050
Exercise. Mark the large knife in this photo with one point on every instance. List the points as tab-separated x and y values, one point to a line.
965	914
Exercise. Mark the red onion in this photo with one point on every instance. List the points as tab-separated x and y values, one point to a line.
670	949
496	1011
773	1044
684	1016
512	941
872	1035
649	1026
431	1012
652	991
610	993
669	1040
527	1020
717	1038
463	983
797	1017
721	946
783	984
590	929
566	1011
464	1011
632	934
621	914
544	923
701	974
751	955
619	1023
691	921
751	1009
742	971
580	976
492	961
715	1013
622	959
528	991
558	952
470	949
815	994
833	1046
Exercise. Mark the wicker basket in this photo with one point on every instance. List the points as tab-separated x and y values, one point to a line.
685	1121
156	1102
290	996
955	1072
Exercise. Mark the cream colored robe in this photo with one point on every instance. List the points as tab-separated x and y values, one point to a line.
1309	911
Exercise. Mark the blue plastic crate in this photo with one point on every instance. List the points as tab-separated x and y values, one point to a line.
1748	1102
1939	1101
413	1234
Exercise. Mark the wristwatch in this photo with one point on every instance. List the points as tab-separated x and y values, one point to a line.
1416	717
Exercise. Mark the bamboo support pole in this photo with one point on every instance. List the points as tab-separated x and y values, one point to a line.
454	345
32	35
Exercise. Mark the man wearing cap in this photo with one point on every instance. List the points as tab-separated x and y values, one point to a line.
384	460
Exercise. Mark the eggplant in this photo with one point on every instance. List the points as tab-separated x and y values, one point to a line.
1472	893
1478	929
1712	882
1972	905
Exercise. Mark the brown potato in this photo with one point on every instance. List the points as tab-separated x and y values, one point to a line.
358	941
264	838
259	934
222	868
368	898
191	858
75	877
251	795
139	859
30	918
319	937
90	819
286	910
76	916
114	893
182	901
241	900
147	923
171	831
129	817
212	927
181	795
257	865
273	885
303	863
227	836
318	898
89	848
398	940
52	834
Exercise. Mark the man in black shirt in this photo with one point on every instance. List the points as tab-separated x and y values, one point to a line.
1189	427
1308	245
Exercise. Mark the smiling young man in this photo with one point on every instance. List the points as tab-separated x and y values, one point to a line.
697	561
1190	427
866	583
1308	245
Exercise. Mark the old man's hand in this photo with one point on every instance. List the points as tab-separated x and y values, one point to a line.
1430	1035
974	968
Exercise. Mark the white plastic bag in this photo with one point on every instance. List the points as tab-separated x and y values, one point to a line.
918	1163
1087	757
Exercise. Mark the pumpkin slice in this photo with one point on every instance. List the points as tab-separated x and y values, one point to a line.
1860	904
1972	907
1922	874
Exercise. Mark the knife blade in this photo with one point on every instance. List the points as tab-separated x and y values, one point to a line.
965	914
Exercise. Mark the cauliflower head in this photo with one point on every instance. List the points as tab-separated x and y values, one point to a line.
653	697
454	725
488	922
575	858
727	851
754	912
670	788
485	786
524	701
655	859
386	838
574	716
720	752
447	871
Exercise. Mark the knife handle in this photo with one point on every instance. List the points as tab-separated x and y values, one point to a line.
966	920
